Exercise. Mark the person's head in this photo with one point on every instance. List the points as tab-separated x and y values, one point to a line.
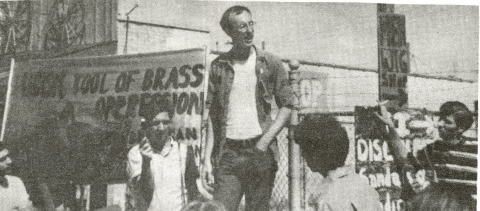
324	143
441	198
455	118
161	128
5	160
238	24
204	206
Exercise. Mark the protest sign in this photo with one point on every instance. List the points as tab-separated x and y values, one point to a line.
375	162
312	91
76	118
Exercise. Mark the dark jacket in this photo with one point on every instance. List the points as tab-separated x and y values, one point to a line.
272	83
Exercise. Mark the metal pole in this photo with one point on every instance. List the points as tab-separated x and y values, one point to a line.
126	36
126	31
8	98
294	171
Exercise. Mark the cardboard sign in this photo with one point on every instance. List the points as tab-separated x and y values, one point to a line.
312	89
394	60
76	118
374	161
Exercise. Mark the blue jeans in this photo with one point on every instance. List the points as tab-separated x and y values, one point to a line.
245	171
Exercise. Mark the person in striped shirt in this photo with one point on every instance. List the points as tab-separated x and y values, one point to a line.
451	161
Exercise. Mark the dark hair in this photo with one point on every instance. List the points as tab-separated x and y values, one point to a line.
225	21
443	198
204	206
2	146
324	137
463	117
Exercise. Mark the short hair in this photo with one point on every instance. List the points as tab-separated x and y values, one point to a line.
2	146
443	198
204	206
225	21
463	117
323	136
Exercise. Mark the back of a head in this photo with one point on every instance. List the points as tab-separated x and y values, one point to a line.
324	137
463	117
204	206
443	199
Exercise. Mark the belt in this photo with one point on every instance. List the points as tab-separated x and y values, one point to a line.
241	143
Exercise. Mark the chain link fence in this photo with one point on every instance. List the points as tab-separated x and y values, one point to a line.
311	181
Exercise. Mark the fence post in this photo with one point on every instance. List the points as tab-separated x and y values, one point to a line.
294	171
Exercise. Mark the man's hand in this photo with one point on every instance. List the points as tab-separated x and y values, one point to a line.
207	176
146	149
385	118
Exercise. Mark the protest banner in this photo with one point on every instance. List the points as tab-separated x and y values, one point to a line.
74	119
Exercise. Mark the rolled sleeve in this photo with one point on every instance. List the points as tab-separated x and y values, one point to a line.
282	90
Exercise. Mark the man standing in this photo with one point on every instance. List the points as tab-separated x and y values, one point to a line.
324	143
452	161
157	166
13	195
242	85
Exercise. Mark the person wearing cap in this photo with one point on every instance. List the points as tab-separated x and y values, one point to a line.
156	168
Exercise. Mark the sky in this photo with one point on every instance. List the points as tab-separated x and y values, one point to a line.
443	38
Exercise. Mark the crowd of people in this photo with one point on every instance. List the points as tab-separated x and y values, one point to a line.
239	160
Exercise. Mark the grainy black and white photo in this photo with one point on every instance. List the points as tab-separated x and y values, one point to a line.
210	105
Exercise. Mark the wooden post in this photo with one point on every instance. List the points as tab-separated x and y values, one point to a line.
294	171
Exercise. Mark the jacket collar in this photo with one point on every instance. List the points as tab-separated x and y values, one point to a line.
228	58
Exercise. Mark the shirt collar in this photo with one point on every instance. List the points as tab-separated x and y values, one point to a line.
340	172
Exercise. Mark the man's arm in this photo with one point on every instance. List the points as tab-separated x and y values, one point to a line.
283	117
207	168
284	99
145	183
142	181
399	150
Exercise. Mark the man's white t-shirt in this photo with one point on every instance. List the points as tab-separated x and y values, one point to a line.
14	197
166	174
242	119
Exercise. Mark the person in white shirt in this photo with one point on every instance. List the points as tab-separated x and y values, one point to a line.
13	194
156	168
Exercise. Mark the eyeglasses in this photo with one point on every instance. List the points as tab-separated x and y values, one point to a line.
244	27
